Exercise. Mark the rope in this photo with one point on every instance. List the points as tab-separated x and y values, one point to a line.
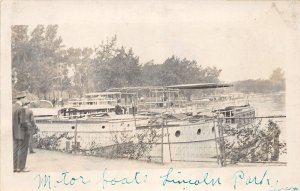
213	161
185	142
260	117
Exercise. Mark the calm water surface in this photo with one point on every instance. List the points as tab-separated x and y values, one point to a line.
269	104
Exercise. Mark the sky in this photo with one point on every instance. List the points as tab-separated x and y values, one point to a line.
246	41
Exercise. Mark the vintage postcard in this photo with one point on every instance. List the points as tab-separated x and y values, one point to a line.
150	95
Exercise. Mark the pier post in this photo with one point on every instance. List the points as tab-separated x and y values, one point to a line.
75	136
222	144
216	141
169	142
162	141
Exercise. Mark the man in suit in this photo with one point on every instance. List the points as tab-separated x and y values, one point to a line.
30	125
20	134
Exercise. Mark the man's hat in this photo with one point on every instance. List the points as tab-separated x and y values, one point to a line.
20	95
27	103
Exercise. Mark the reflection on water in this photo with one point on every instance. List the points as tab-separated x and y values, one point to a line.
267	105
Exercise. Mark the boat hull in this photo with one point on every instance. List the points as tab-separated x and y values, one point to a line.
181	140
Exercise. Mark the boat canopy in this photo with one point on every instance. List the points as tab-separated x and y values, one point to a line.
102	93
137	88
181	86
200	86
40	104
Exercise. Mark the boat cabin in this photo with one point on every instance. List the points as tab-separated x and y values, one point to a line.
240	115
151	97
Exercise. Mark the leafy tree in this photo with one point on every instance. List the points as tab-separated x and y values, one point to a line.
253	143
275	83
278	80
85	68
115	67
126	68
49	56
178	71
35	57
150	74
43	65
211	74
20	52
19	36
79	60
254	86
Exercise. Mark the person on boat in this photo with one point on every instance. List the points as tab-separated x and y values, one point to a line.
20	138
53	101
221	118
134	107
118	109
30	123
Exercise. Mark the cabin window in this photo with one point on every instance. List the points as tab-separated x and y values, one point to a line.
213	130
198	131
78	145
103	126
237	120
243	120
227	114
177	133
73	127
248	117
67	145
128	125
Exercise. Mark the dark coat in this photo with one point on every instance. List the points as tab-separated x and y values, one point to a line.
18	122
30	123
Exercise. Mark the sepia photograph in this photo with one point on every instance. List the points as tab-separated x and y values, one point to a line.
201	92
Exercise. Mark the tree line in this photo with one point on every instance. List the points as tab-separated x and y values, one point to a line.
275	83
45	67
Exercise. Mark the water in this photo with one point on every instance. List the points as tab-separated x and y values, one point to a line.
268	104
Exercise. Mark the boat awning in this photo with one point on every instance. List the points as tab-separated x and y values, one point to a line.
102	93
200	86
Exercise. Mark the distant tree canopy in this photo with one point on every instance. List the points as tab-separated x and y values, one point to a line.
178	71
43	65
115	67
278	80
35	57
275	83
